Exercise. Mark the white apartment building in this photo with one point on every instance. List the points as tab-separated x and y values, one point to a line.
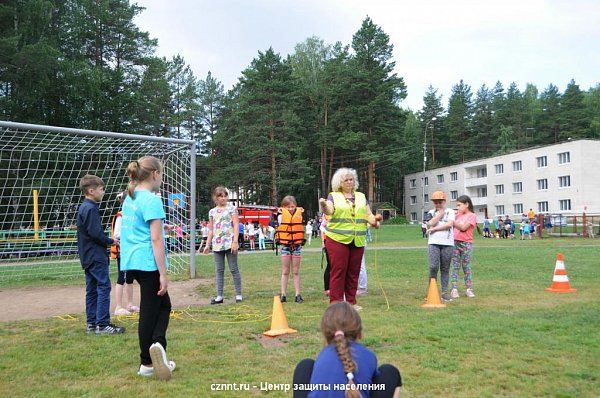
554	179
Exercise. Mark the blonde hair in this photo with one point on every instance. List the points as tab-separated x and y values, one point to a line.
140	170
338	178
341	324
288	200
219	191
90	181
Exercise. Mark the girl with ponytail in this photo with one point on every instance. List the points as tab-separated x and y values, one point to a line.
345	362
143	256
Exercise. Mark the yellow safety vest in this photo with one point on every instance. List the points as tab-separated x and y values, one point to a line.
349	221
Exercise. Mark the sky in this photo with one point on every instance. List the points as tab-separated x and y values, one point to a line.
436	43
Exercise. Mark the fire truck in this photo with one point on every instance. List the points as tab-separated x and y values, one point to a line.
257	214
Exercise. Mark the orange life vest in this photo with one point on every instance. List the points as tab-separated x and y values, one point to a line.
291	230
115	250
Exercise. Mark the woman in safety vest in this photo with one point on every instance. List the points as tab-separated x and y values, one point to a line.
290	234
346	233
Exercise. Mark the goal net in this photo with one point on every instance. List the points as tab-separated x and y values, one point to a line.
40	169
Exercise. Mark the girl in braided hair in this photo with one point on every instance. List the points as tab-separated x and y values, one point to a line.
344	362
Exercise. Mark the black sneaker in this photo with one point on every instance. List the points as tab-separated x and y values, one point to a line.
282	298
109	329
446	297
90	328
298	299
215	301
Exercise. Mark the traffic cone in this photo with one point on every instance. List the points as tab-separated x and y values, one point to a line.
433	296
279	324
560	280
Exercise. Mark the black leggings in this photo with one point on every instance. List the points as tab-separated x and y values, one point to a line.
388	375
327	272
123	277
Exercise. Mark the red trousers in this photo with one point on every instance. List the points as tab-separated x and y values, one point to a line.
345	268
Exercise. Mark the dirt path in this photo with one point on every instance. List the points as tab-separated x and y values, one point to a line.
45	302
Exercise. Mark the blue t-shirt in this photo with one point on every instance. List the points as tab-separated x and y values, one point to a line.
329	370
136	243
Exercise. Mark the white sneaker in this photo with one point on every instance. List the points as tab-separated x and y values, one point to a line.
145	371
121	311
454	293
160	362
148	371
470	293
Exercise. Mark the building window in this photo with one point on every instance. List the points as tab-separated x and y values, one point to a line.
500	210
518	208
565	204
542	207
413	200
499	168
426	181
453	195
413	183
517	187
542	161
564	157
517	165
426	199
500	189
454	176
564	181
440	178
481	172
542	184
482	192
413	216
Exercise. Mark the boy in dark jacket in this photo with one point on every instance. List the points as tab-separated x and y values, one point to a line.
92	243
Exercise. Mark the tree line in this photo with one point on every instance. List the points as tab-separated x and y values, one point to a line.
288	122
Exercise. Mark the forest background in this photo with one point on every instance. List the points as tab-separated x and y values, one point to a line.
290	120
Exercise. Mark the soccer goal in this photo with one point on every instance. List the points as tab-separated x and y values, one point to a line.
40	169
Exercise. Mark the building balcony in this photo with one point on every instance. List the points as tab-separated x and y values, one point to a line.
475	182
479	201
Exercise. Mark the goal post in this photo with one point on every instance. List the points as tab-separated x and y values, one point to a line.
40	169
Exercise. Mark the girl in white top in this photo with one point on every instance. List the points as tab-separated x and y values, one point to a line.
441	241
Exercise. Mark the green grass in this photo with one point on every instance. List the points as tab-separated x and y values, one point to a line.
513	339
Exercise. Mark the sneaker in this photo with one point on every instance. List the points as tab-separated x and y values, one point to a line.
109	329
133	308
216	301
326	293
160	362
357	307
239	298
282	298
298	299
446	297
362	292
121	311
90	328
454	293
148	371
470	293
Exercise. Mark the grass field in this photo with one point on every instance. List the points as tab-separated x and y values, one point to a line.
514	339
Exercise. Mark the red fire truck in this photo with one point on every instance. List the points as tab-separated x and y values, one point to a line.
257	214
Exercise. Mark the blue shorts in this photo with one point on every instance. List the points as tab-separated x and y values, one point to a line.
287	251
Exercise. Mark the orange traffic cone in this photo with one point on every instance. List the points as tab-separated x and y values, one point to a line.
433	296
560	280
279	324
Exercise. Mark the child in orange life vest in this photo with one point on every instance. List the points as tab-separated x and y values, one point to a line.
290	234
122	278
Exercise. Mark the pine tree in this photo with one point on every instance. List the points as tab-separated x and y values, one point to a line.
483	122
431	117
375	95
549	119
458	123
574	120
